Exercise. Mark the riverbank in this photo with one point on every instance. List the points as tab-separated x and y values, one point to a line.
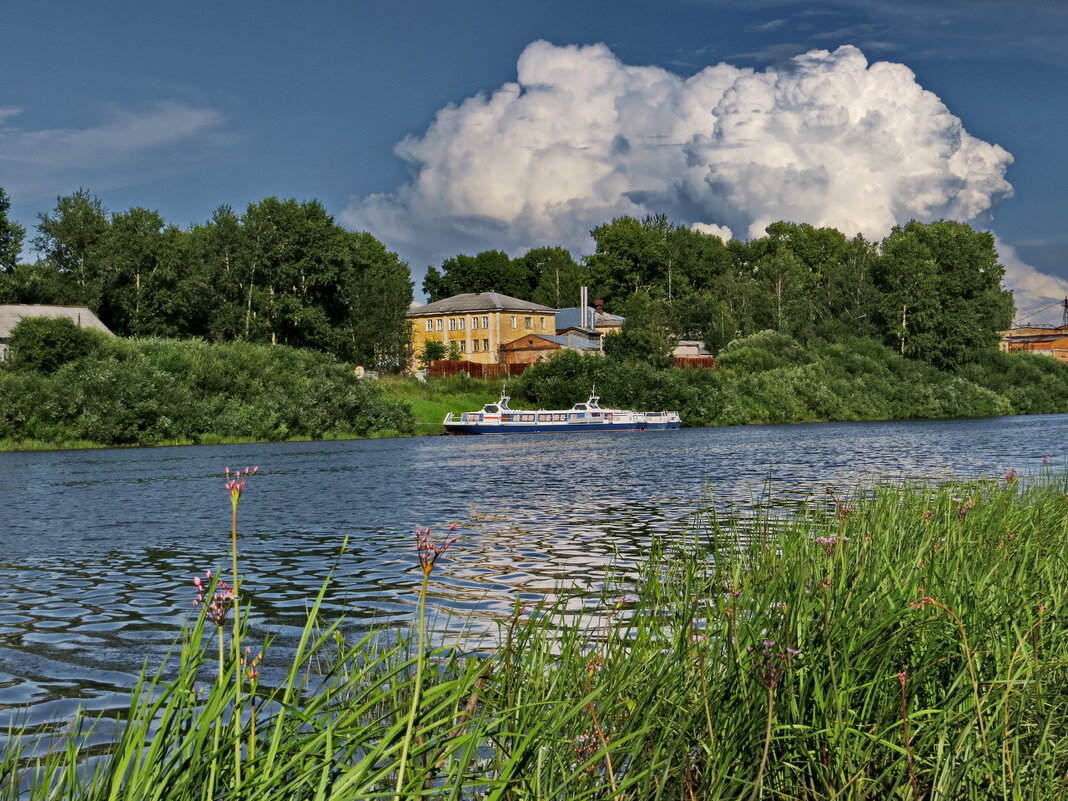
901	642
170	392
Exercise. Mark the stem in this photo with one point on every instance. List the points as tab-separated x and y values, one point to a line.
236	644
218	727
418	687
767	746
908	742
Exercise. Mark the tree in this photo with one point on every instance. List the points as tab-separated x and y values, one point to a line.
488	271
940	293
68	239
378	287
557	277
132	290
11	236
433	350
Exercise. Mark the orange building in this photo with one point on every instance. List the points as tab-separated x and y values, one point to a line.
1043	341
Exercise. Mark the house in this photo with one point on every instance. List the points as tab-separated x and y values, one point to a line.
10	315
690	349
478	324
596	319
539	347
1044	341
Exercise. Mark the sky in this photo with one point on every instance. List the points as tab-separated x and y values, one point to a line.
455	126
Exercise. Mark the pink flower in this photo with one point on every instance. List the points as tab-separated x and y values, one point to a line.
429	552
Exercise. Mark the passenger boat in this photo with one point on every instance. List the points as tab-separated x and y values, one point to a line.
500	418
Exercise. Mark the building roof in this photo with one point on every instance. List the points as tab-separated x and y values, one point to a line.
476	303
11	314
572	318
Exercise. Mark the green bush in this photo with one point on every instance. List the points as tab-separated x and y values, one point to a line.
155	390
43	344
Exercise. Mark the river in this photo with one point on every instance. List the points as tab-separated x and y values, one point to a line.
98	548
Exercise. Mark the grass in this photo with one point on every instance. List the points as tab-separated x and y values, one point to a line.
432	399
907	643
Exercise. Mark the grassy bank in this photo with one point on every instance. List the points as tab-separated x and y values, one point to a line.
906	643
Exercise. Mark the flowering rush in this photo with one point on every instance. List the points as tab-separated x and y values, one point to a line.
217	607
430	552
235	481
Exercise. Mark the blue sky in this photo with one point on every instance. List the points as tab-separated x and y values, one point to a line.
185	107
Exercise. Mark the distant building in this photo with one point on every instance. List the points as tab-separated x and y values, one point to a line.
690	349
1043	341
596	319
478	324
10	315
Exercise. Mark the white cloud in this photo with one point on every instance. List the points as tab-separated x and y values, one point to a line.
36	163
580	138
722	231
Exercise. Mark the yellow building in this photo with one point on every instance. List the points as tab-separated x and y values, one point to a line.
478	324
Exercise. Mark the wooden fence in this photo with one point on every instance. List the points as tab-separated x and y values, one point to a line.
447	367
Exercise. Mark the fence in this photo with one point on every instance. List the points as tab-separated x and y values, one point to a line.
446	367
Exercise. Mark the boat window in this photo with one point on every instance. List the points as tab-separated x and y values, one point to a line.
506	418
580	407
527	418
490	408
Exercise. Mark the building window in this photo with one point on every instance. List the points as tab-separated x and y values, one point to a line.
528	322
474	346
452	323
542	323
485	323
474	323
439	323
463	346
463	323
514	319
485	345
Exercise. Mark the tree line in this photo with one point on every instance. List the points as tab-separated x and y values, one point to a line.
283	272
932	292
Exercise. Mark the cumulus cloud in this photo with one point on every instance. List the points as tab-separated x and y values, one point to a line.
49	161
722	231
579	138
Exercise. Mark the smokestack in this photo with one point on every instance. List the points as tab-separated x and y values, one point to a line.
584	306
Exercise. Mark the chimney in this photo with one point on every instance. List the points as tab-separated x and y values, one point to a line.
584	311
600	305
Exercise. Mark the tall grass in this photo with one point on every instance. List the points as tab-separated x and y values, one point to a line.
905	643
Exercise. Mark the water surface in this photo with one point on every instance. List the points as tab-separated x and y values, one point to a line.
98	548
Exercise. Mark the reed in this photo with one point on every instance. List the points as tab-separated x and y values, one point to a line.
907	642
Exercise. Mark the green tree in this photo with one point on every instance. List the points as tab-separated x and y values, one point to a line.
557	277
377	287
11	236
433	350
68	238
133	288
940	294
488	271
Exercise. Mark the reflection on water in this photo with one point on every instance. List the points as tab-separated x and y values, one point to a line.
98	548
